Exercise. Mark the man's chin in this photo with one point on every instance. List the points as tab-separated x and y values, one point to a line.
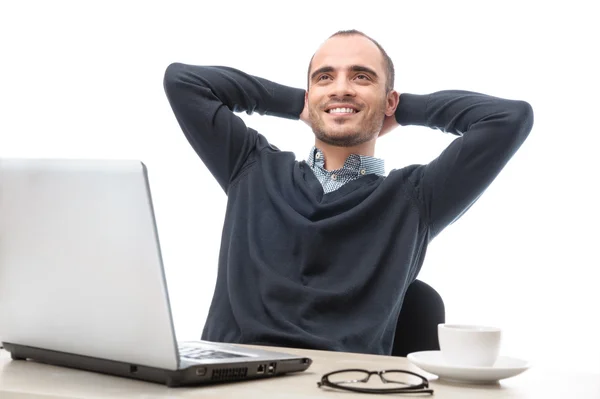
340	138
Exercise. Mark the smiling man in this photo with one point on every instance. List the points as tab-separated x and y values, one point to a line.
350	84
319	253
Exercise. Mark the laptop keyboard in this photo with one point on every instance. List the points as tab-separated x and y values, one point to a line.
203	354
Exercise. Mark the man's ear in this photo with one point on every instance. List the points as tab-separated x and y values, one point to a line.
392	100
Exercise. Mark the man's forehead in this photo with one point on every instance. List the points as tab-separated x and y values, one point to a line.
345	51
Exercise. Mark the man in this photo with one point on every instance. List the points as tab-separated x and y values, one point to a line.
319	253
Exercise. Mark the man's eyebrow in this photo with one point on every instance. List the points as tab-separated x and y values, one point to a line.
361	68
353	68
320	71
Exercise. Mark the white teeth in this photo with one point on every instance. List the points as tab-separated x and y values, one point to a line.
341	111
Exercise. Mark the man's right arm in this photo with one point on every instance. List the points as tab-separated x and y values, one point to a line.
204	99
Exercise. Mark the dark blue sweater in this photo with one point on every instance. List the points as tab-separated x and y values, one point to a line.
301	268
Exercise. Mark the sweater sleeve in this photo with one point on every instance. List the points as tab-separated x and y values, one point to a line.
490	131
204	99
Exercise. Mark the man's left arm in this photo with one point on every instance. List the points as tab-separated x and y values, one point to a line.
490	131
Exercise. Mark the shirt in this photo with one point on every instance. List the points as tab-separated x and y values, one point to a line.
354	167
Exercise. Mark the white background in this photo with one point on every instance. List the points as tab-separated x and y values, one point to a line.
84	79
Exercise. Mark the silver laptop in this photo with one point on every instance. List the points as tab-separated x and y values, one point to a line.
82	282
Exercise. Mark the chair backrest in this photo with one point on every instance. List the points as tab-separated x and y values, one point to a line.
422	310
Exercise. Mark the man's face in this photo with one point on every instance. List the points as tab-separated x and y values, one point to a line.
346	97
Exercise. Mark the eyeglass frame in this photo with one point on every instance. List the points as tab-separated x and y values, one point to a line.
423	387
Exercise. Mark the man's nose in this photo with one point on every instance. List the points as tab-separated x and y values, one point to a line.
342	88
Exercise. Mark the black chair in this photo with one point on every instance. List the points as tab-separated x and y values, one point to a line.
422	310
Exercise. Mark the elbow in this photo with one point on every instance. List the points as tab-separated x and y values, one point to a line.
523	118
173	76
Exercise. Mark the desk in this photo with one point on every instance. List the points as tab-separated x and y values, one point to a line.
20	380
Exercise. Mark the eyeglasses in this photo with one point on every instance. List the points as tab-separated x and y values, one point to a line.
405	381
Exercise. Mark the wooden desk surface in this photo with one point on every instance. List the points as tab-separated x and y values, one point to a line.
26	379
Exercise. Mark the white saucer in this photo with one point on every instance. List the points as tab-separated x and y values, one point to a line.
433	362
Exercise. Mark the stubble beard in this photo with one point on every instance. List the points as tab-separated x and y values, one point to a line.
365	131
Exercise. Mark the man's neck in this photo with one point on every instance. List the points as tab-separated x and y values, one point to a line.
335	156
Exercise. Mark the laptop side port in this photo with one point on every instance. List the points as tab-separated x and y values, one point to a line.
261	369
271	368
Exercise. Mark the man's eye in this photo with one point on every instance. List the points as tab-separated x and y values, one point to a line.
322	77
362	76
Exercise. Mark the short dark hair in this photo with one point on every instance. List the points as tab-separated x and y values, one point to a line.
389	64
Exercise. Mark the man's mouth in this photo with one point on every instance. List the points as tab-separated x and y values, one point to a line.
341	111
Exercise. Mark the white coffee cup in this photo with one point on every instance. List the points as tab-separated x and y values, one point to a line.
469	345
